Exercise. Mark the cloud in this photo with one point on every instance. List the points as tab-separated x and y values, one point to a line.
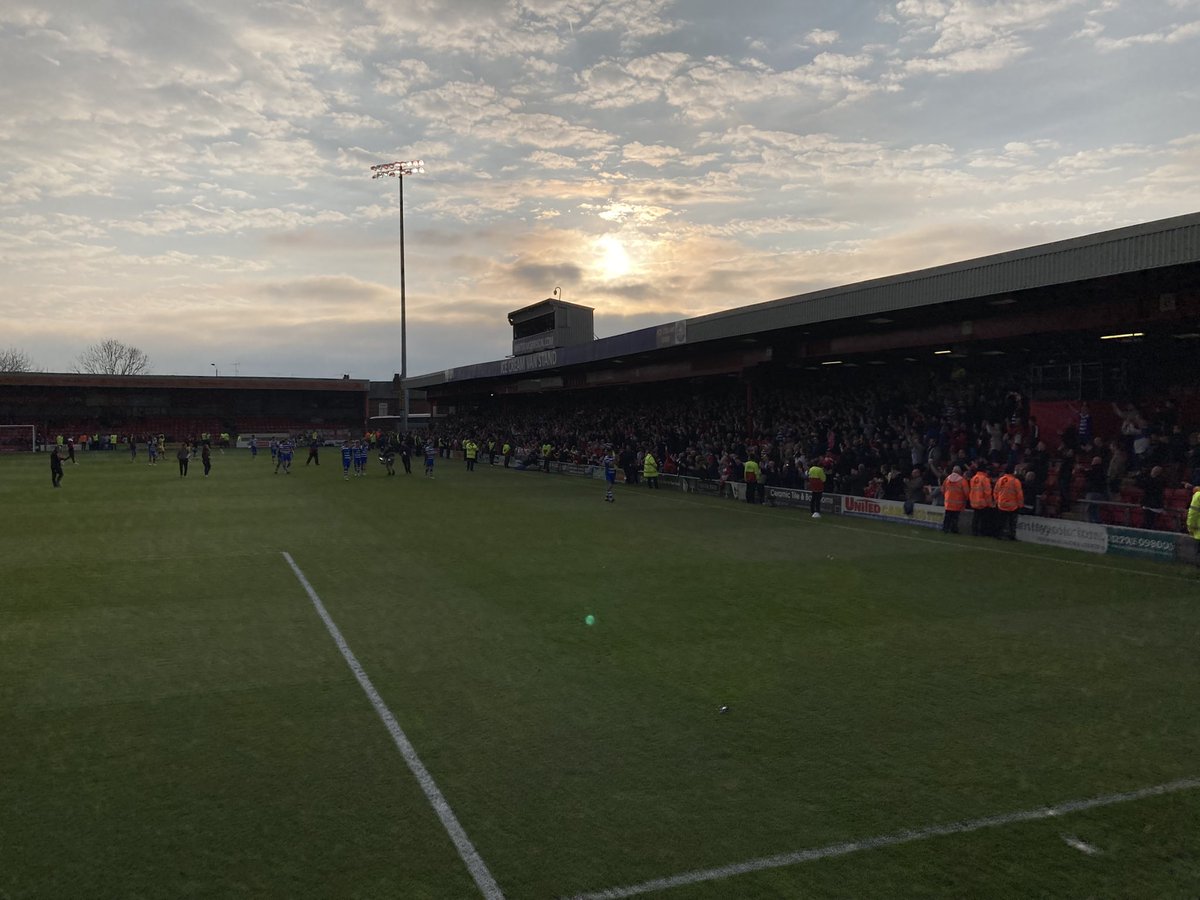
974	35
1170	35
200	172
821	38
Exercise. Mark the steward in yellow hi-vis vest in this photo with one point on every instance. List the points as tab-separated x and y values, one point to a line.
1193	519
650	470
816	486
752	475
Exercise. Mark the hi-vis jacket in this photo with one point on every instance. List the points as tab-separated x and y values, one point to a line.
981	491
954	492
649	467
1010	496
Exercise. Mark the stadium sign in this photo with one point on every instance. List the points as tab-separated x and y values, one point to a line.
701	486
543	360
672	334
1140	543
923	514
534	343
862	506
802	499
1083	536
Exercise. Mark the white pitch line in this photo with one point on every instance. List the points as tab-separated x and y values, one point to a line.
466	850
887	840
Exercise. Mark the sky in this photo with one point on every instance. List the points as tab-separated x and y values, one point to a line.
193	178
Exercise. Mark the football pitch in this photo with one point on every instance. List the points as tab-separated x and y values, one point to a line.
295	685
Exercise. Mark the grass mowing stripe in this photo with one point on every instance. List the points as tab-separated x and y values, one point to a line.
466	850
964	546
886	840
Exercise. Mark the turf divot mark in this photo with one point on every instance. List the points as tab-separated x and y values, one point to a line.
1080	845
466	850
887	840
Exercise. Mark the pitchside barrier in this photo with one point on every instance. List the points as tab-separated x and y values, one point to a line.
1087	537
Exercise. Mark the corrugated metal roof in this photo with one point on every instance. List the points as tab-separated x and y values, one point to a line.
1150	245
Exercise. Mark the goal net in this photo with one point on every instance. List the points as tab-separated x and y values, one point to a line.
17	437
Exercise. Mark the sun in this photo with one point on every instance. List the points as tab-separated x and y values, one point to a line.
613	258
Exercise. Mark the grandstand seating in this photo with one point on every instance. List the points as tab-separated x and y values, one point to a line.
871	423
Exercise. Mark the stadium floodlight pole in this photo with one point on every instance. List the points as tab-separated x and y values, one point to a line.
399	170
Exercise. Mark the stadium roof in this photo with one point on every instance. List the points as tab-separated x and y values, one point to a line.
1166	242
1160	244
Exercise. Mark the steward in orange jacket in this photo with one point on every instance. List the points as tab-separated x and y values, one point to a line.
1010	497
981	503
954	497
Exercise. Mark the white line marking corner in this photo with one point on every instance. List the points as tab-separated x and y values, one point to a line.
466	850
889	840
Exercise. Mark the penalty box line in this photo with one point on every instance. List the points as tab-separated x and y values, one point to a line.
466	850
887	840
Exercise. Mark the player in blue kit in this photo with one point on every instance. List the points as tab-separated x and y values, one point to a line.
347	458
361	453
429	453
284	456
610	474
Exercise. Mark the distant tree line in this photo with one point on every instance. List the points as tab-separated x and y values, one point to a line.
15	360
108	357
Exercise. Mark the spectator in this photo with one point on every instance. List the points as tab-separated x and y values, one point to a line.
1117	464
914	491
1154	486
1066	470
1029	495
1095	486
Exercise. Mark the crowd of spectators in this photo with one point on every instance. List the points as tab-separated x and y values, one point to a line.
896	440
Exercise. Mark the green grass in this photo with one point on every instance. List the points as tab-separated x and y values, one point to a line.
177	722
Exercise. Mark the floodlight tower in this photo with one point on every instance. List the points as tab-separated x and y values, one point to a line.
399	170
